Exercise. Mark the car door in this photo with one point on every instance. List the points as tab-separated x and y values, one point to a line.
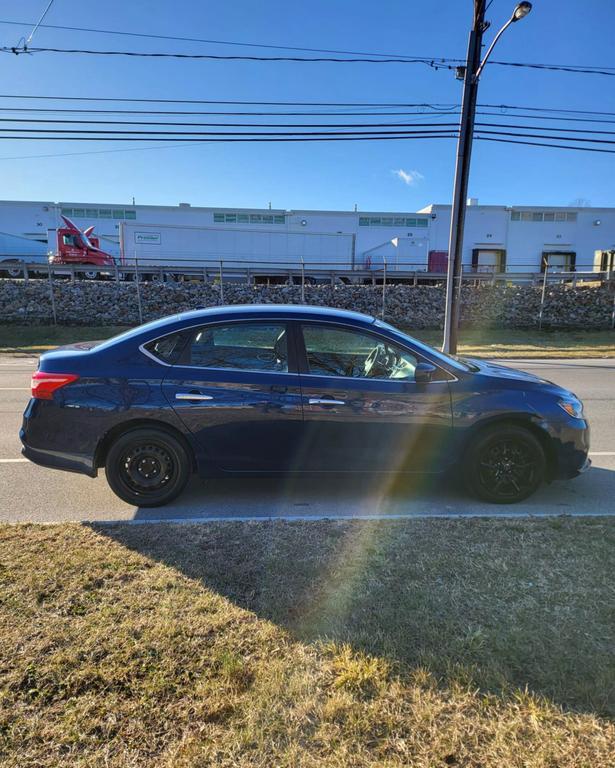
361	420
235	387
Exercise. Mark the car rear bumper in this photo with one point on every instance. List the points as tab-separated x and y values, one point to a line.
66	461
55	459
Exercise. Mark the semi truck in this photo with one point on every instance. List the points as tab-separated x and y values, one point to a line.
68	245
65	246
155	250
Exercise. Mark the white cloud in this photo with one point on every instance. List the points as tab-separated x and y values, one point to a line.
408	177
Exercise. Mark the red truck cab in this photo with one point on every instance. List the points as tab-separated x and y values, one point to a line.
76	247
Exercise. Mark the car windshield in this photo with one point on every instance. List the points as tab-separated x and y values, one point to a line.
454	362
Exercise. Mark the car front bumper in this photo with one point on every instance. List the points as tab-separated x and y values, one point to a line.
570	442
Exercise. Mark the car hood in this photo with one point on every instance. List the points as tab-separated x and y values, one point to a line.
487	368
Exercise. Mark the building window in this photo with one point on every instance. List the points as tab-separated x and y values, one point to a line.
99	213
251	218
543	216
389	221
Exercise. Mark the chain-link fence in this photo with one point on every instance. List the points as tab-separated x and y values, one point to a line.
133	293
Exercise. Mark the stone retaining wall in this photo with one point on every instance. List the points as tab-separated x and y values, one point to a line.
111	303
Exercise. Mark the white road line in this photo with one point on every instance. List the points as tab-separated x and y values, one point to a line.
15	389
27	461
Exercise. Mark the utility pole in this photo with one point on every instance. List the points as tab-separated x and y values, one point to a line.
471	74
462	174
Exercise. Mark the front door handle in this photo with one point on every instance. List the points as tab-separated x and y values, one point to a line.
325	401
192	396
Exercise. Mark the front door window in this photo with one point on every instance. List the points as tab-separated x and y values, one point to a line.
341	352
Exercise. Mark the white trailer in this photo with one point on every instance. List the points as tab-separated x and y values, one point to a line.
261	253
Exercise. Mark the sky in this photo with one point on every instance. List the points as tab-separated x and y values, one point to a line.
374	176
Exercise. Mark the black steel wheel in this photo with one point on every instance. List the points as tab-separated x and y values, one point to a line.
147	467
505	464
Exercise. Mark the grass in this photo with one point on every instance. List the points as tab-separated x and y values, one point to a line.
390	643
39	338
473	342
498	342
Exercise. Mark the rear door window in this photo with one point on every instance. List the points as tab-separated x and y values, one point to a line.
240	346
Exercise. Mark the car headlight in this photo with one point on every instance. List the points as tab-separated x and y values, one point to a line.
572	405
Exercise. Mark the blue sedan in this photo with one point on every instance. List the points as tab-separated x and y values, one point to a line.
272	389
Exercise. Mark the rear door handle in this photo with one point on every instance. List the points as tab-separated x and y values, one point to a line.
192	396
325	401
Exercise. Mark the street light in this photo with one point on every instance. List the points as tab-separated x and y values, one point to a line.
520	12
473	71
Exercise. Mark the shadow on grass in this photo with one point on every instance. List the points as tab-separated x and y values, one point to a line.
500	605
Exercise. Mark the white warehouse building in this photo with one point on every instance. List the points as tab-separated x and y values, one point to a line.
497	238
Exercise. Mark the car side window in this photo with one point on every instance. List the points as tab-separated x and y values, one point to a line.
340	352
168	348
240	346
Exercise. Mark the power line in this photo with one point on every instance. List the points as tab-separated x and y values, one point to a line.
442	107
236	102
544	144
102	134
29	121
326	137
247	135
435	63
202	40
73	121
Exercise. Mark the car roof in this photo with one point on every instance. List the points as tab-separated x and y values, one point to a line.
176	322
298	311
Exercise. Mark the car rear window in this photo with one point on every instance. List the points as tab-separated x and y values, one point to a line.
168	348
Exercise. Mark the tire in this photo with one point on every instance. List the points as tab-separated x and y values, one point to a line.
147	467
14	271
90	274
505	464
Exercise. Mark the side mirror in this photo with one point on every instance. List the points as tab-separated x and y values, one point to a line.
423	373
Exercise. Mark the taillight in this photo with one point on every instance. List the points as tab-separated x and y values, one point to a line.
45	384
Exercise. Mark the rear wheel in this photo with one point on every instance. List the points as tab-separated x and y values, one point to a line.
505	464
13	271
147	467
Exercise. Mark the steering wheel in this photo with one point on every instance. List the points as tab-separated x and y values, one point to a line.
376	362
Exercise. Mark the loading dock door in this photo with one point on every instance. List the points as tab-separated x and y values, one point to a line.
488	260
559	261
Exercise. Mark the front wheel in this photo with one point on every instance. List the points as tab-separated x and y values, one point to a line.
505	464
147	467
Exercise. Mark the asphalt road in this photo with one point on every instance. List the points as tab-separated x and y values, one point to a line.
31	493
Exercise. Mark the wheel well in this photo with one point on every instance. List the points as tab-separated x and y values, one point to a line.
520	421
120	429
